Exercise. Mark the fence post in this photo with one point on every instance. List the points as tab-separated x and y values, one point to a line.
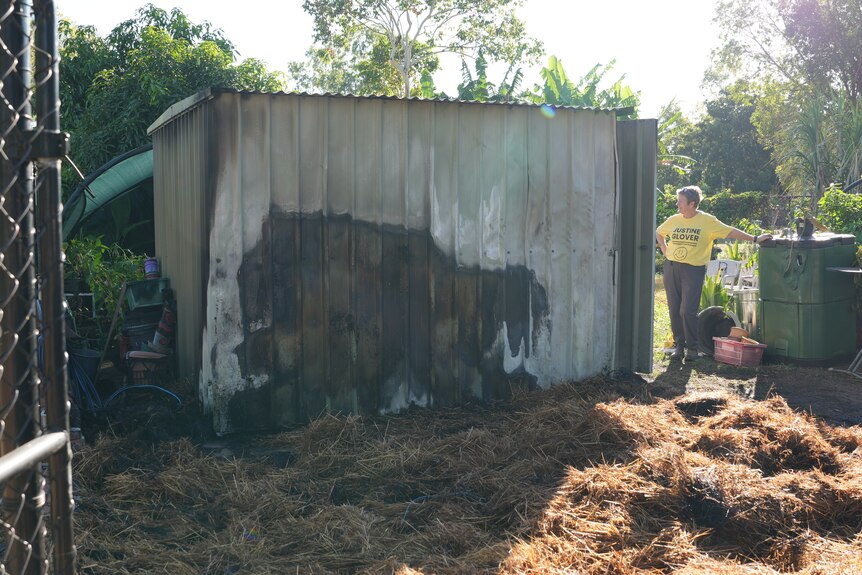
50	146
29	146
23	494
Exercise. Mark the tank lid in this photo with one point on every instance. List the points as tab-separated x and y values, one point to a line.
817	241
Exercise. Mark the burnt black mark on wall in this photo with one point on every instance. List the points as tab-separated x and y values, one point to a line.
341	331
256	298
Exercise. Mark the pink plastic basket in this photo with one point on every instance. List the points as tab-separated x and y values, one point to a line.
739	353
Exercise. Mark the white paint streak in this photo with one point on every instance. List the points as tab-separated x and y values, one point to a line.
511	361
467	243
442	217
221	376
399	389
492	232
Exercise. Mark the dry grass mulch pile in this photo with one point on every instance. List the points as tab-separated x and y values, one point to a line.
584	478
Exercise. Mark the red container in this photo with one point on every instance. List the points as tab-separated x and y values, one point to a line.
740	353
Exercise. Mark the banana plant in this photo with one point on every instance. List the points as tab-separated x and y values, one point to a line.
559	90
481	88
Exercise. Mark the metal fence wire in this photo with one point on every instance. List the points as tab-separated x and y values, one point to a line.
37	537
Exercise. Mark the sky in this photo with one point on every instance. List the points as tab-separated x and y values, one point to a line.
661	46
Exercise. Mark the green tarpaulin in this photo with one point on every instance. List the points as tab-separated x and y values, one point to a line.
114	200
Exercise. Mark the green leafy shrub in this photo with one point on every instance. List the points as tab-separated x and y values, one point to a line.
734	251
731	208
857	279
752	227
841	212
104	269
751	254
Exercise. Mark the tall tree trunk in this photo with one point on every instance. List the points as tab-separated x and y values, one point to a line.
407	64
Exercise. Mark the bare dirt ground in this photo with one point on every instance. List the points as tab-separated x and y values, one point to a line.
833	396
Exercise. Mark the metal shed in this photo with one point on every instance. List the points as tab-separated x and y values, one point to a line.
362	254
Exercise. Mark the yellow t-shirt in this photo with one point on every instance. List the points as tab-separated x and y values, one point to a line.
690	240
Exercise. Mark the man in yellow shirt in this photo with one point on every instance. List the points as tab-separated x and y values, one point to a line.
688	248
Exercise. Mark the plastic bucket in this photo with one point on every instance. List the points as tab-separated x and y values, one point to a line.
151	268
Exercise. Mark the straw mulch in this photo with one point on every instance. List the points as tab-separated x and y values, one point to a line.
586	478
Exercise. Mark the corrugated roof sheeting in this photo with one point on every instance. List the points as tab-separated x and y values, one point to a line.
365	254
203	96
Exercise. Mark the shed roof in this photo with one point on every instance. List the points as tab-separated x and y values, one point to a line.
195	100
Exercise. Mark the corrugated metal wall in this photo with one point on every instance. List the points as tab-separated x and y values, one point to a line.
366	254
637	142
181	154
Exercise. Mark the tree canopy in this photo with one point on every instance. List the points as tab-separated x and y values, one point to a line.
413	30
805	57
726	145
828	38
358	62
112	88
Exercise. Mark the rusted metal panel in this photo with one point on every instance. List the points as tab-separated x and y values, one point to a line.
368	254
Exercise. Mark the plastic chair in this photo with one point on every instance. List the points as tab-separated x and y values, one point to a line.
726	271
748	278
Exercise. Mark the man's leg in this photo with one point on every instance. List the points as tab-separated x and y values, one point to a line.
673	289
692	286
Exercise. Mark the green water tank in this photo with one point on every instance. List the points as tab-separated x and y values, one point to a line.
808	314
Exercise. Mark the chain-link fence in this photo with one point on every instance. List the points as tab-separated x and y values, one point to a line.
34	413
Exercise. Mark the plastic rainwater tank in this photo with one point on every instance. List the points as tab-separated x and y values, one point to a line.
807	310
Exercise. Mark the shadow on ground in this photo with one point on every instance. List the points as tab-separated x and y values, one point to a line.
834	396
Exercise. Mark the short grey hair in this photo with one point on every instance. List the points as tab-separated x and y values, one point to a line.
691	193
